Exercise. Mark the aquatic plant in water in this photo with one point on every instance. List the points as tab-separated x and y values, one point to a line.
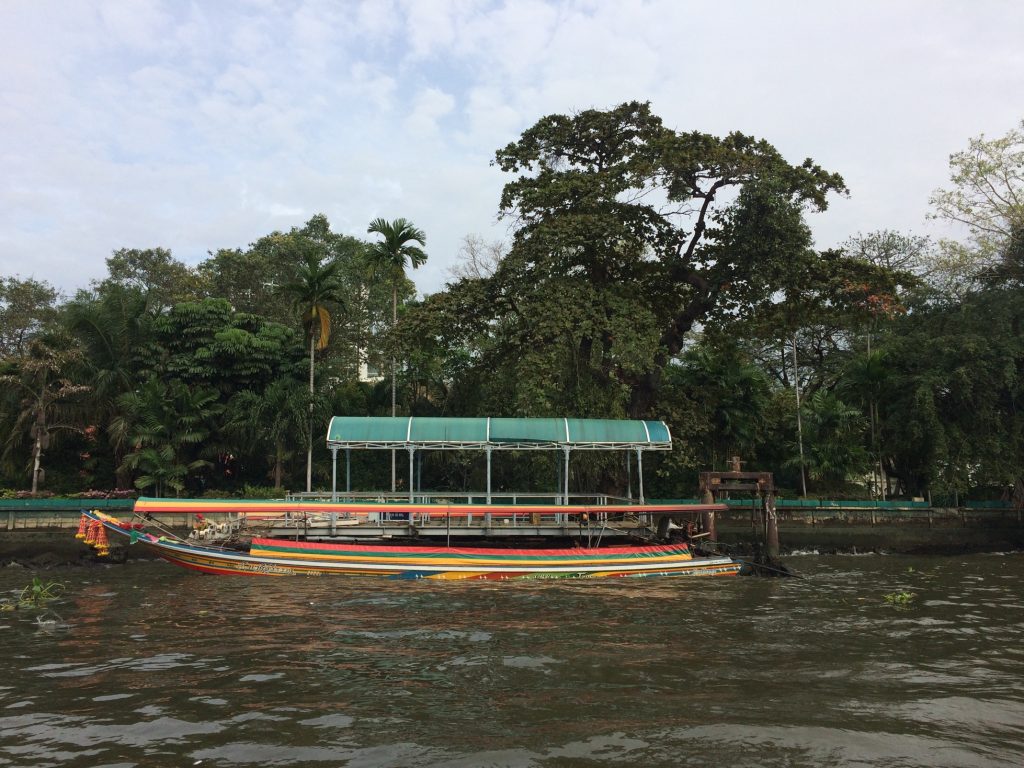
35	595
901	599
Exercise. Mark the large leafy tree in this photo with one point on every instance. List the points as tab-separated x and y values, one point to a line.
669	228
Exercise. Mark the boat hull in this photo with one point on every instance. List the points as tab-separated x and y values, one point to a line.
276	557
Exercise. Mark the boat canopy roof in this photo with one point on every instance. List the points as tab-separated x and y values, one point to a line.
442	433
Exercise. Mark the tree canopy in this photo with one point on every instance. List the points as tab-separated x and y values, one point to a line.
650	273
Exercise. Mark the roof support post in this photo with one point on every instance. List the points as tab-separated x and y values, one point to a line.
565	473
334	473
629	477
487	514
640	472
412	475
348	470
487	450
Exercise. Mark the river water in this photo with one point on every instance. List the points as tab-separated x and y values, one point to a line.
146	664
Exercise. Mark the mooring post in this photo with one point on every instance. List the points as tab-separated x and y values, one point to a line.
707	517
771	522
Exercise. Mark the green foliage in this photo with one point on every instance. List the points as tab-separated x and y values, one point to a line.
833	439
900	599
36	595
652	274
26	307
986	197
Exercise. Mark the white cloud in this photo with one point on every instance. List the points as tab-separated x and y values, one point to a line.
206	125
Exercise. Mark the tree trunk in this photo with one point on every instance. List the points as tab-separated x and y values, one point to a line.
309	452
799	421
278	452
394	401
37	455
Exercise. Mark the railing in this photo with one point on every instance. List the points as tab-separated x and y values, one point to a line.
440	497
36	514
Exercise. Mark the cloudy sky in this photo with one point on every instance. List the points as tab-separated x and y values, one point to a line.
202	124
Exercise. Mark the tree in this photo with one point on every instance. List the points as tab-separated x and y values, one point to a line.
313	289
835	434
388	259
987	198
154	271
44	396
477	258
733	395
113	329
167	425
272	419
687	226
26	306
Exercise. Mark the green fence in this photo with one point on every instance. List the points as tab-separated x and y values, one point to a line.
811	504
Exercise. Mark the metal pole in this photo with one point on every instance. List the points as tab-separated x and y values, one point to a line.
558	482
565	478
487	514
412	476
640	472
629	477
487	450
348	470
334	473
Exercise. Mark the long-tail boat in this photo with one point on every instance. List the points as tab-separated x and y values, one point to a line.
555	538
282	557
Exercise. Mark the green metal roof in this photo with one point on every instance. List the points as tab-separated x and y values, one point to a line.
496	433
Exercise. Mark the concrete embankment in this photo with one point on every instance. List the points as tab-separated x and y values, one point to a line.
919	531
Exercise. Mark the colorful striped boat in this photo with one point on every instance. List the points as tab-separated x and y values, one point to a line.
278	557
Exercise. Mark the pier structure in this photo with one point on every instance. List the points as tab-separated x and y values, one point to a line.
715	486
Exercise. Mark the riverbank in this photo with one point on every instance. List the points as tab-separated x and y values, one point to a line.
48	541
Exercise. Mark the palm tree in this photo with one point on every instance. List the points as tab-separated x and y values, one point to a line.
388	258
836	431
271	419
166	424
41	397
110	329
315	285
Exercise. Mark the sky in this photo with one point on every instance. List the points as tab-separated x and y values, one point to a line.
207	124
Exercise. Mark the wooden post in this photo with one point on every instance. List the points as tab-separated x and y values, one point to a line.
707	517
771	520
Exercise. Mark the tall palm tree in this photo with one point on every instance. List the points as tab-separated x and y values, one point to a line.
387	259
315	285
